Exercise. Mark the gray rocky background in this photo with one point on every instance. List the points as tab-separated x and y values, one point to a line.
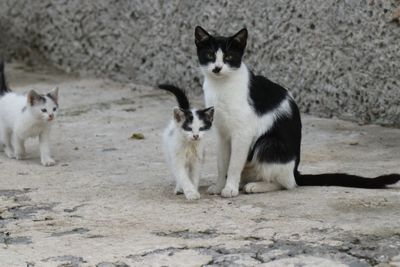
339	58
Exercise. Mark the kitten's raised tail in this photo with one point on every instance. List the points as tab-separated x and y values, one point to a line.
3	84
180	95
346	180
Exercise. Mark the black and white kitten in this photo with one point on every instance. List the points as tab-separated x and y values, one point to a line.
258	125
183	142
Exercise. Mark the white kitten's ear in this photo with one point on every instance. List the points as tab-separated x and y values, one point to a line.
34	97
179	114
241	37
200	35
209	112
54	95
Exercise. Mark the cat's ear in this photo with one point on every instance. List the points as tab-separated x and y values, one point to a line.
54	95
241	37
179	114
209	113
200	35
34	97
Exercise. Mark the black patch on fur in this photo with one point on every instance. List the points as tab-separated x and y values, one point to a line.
206	116
207	48
179	94
264	95
38	99
52	98
281	144
188	121
3	83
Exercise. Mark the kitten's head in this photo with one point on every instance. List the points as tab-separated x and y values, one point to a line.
220	56
43	107
194	123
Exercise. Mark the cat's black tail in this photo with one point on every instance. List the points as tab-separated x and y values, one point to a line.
3	84
180	95
346	180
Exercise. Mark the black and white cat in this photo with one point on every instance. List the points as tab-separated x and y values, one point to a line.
183	142
258	125
24	116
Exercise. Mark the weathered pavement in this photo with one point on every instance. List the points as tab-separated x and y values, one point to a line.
109	201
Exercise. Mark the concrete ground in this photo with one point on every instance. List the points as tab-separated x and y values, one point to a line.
109	201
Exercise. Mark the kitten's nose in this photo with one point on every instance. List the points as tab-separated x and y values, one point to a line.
195	136
51	116
217	69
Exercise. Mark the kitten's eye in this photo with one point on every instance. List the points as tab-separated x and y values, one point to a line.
228	57
44	110
54	109
210	55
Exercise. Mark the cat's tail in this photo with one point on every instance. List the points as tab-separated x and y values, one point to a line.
3	84
346	180
180	95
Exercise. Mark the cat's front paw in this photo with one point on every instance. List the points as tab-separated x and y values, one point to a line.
48	162
229	192
214	190
192	195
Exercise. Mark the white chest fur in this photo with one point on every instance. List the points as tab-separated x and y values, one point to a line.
229	96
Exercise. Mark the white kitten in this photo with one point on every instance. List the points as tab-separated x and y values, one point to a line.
183	144
24	116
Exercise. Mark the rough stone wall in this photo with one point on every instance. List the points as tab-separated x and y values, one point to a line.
338	57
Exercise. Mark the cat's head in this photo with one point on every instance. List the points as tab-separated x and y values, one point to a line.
43	106
194	123
220	56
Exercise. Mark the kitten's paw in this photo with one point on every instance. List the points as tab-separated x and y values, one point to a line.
229	192
9	153
192	195
214	190
48	162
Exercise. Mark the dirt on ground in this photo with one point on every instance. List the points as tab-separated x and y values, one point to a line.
109	200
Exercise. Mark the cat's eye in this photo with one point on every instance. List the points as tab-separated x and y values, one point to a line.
54	109
210	55
227	57
44	110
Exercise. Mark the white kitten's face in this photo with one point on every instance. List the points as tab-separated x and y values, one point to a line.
44	107
194	123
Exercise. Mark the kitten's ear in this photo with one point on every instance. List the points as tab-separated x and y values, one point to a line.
33	97
200	35
54	95
209	112
179	114
241	37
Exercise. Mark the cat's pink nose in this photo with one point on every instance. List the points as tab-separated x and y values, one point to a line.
195	136
51	117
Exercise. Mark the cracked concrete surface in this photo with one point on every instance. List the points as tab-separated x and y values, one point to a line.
108	202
